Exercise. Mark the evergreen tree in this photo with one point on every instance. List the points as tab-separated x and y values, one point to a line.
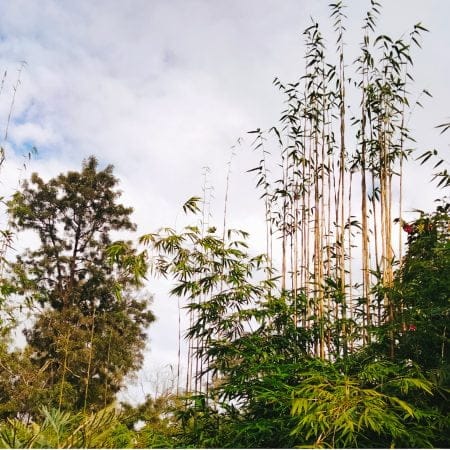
92	328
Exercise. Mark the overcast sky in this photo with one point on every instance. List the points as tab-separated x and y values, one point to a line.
163	88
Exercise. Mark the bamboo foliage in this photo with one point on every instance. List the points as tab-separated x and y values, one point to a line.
329	257
213	276
63	430
6	234
310	208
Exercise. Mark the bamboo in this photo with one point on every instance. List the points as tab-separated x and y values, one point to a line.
66	353
88	372
105	402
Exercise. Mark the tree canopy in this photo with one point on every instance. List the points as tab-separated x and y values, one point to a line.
91	330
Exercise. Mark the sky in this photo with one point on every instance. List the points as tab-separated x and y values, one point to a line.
162	89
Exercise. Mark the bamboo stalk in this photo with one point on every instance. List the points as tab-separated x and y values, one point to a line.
88	372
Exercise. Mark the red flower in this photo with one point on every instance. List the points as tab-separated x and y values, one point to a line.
412	327
408	228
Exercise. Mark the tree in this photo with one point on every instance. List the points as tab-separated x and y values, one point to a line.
91	330
21	385
423	288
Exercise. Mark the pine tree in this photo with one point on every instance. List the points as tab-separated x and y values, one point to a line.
87	337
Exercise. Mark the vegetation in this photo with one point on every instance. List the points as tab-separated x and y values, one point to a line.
86	337
335	338
262	386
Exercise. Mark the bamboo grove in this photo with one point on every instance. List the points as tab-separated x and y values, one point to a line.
331	178
338	256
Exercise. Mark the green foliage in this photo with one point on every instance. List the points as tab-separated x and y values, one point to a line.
73	215
159	422
86	339
67	430
22	385
265	390
423	291
367	409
